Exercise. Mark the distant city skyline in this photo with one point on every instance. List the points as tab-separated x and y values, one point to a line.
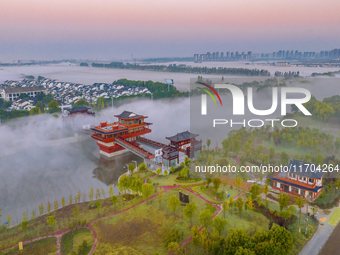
59	29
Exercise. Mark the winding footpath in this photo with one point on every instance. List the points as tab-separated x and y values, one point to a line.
59	234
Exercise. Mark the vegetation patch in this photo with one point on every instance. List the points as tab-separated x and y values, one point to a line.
74	242
274	216
335	217
182	179
46	246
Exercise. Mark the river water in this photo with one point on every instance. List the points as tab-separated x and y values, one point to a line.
37	166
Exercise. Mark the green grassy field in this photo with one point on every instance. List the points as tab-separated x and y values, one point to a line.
72	240
140	230
47	246
170	180
335	217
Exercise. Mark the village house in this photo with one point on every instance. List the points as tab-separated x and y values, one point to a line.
301	179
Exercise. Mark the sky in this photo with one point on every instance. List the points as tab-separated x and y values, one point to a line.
115	29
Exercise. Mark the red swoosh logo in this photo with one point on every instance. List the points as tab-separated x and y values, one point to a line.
212	89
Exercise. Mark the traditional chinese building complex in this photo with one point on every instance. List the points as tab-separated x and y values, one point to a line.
127	134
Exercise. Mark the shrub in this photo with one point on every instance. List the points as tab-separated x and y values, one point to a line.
92	205
271	211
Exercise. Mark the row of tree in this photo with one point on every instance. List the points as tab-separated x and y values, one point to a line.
186	69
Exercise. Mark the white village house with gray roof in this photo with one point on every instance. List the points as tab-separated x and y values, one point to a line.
67	92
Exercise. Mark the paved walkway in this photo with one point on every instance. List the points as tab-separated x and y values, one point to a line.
320	237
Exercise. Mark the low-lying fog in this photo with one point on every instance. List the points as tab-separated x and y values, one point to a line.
41	161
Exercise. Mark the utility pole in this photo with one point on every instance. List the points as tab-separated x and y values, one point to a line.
307	215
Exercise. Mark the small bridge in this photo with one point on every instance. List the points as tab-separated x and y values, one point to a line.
150	142
133	148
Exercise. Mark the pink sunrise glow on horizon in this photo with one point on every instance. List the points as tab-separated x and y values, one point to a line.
148	18
164	27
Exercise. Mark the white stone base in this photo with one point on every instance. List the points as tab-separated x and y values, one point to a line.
110	155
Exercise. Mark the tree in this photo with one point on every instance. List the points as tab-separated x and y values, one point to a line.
283	200
236	238
142	167
9	218
41	209
91	194
158	171
79	196
111	191
284	158
217	183
208	143
53	107
205	216
173	203
292	208
225	206
239	203
237	146
75	212
226	147
48	207
231	204
255	191
271	153
70	199
184	172
147	190
195	236
98	194
24	216
265	190
219	224
124	183
56	204
98	204
286	214
24	226
239	182
299	202
282	240
114	200
62	202
51	221
166	173
131	168
40	107
189	211
250	204
33	214
81	102
103	192
136	185
173	247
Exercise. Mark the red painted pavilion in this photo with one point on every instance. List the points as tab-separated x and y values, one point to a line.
128	135
118	137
